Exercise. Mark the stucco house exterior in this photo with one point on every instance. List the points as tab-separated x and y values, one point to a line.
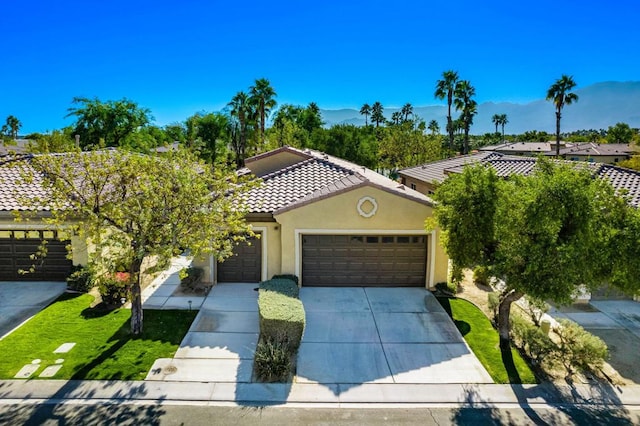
19	240
333	223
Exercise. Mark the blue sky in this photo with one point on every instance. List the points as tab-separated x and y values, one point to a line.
180	57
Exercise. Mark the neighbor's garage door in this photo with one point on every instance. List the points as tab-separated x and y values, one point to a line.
16	251
244	266
364	260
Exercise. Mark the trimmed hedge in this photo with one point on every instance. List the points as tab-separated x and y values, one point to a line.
282	317
291	277
281	285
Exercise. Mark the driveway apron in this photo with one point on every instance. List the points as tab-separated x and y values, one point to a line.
220	344
19	301
359	335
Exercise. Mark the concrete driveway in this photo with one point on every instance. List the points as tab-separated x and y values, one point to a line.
617	322
382	335
19	301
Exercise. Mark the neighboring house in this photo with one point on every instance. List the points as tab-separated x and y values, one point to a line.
624	181
17	146
333	223
588	151
20	240
426	177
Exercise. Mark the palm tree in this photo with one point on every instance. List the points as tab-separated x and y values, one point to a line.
503	122
365	110
12	127
396	117
445	89
406	111
560	94
496	120
464	92
262	97
377	115
241	110
434	127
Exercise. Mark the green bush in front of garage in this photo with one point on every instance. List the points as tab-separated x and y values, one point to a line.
282	321
282	284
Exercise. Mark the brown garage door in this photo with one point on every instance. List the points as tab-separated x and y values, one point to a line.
16	251
244	266
364	260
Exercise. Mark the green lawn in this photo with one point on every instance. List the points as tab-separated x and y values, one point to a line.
104	347
484	342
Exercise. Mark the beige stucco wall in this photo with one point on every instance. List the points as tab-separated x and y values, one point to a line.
420	186
339	214
78	245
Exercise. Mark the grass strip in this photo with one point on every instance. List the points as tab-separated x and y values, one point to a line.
484	341
104	347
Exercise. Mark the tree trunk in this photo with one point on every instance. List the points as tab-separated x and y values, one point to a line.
504	310
136	297
558	133
450	126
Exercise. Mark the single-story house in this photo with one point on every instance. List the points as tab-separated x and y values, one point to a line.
328	221
575	151
20	240
427	177
333	223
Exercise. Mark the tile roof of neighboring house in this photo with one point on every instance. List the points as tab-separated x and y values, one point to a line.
522	147
315	177
624	181
17	146
596	149
12	189
436	171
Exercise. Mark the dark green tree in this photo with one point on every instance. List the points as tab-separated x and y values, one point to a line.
377	113
365	110
468	107
444	90
107	123
262	97
561	95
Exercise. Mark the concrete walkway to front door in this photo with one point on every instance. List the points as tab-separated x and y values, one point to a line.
382	335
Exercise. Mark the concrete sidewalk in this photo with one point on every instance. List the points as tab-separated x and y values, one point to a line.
316	395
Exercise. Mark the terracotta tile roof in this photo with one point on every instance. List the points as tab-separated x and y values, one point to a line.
624	181
315	177
12	189
436	171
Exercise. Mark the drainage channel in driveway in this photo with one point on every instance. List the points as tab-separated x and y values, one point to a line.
357	335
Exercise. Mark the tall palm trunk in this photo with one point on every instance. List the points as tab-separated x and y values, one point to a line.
450	123
558	114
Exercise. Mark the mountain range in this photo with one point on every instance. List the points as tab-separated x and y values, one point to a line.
599	106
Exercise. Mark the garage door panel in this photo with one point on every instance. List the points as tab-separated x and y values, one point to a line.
16	252
366	260
245	265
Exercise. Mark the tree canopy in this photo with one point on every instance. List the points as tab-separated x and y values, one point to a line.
133	206
545	235
107	124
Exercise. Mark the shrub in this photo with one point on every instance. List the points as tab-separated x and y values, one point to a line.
580	349
534	342
493	300
272	360
455	278
291	277
114	287
481	276
81	279
281	316
192	277
284	286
